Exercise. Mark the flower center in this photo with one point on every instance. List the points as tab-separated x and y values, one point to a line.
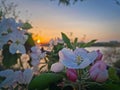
79	59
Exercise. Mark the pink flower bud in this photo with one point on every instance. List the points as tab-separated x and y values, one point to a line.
72	74
98	72
100	55
57	67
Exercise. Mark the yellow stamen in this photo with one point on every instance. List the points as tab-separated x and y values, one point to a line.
79	59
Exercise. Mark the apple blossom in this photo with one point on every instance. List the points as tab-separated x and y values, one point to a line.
36	55
14	77
77	59
99	72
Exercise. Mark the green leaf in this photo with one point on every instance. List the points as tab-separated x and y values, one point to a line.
43	81
75	43
26	26
9	59
66	40
29	43
113	74
88	44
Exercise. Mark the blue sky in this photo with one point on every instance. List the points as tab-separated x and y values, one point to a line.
96	19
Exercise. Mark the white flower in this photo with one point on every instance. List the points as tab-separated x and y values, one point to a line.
13	78
24	77
14	47
36	55
77	59
9	75
9	31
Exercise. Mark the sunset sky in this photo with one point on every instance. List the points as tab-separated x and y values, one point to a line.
92	19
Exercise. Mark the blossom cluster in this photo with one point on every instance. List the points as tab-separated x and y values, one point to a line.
19	58
81	59
65	62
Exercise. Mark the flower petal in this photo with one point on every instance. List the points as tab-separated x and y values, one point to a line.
57	67
84	63
21	48
66	57
13	48
6	73
72	74
81	52
98	72
28	74
103	76
17	47
9	74
92	56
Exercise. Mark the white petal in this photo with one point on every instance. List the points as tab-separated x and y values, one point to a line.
80	51
34	56
9	74
6	73
35	62
92	56
57	67
13	48
86	62
67	57
21	48
33	49
28	74
19	77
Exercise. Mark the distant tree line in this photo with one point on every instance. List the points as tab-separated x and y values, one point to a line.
107	44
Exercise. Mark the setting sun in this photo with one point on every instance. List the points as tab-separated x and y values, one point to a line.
38	41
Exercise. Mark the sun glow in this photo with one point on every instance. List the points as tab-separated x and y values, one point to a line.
38	41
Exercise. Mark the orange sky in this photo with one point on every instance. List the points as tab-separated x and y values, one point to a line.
94	19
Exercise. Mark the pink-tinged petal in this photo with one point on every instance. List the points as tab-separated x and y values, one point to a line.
102	65
103	76
57	67
72	74
98	72
94	74
100	55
